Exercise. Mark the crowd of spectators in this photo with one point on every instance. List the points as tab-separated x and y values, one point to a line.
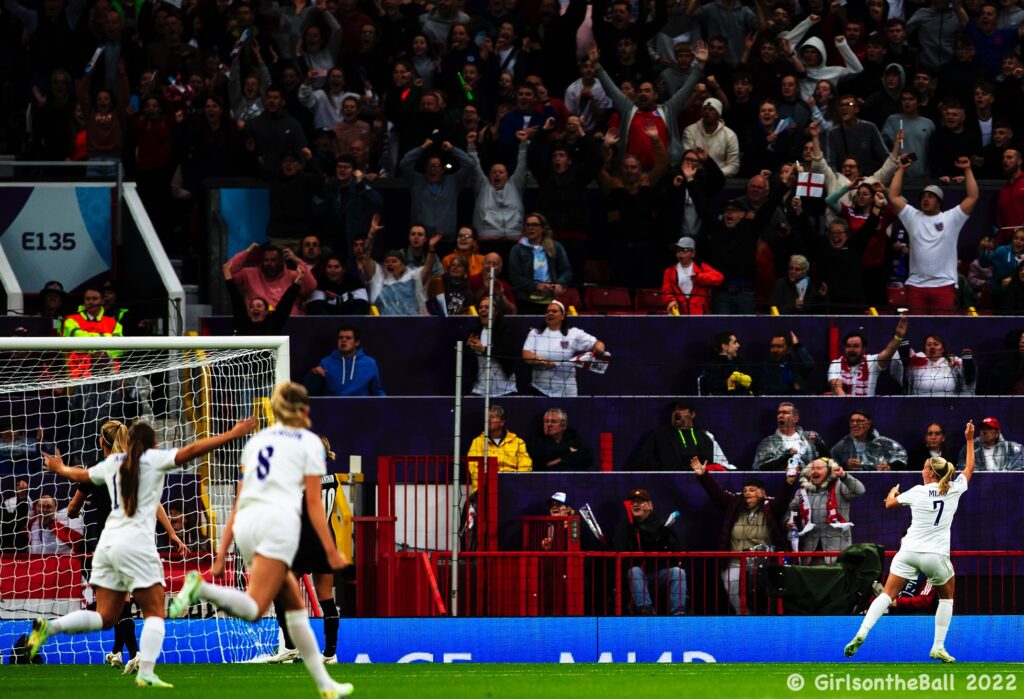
655	102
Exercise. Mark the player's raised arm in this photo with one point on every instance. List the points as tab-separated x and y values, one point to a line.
969	451
54	463
205	446
890	499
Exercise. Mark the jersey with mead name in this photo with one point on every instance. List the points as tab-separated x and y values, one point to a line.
276	462
153	465
931	516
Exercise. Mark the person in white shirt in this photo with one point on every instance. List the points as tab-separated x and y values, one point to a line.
493	333
856	373
281	465
586	98
126	558
994	452
933	234
925	548
52	531
551	350
934	372
711	134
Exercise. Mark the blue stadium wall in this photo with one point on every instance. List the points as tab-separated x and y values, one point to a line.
581	640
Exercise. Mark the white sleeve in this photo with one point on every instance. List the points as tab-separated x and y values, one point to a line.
908	217
835	369
376	282
98	473
955	219
908	497
163	459
316	458
247	453
582	341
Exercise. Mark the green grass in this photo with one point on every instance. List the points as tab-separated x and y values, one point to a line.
426	681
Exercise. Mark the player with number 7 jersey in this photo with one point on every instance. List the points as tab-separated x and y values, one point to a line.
281	464
925	548
126	559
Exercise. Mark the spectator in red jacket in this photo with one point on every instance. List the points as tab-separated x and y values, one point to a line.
687	285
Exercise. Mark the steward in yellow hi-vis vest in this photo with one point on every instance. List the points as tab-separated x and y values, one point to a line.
89	321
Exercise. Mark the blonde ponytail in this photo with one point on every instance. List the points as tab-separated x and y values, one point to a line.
115	435
290	404
140	438
943	471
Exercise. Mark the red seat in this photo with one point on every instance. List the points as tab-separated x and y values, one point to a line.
569	297
651	301
610	298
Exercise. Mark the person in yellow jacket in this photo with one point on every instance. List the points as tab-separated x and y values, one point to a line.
92	402
506	446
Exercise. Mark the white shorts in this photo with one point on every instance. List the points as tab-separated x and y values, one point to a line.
124	566
267	531
937	566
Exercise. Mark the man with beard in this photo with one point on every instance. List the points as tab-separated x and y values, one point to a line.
787	371
856	373
637	115
269	281
1010	209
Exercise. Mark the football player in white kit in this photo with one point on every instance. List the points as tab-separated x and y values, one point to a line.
126	559
279	464
925	548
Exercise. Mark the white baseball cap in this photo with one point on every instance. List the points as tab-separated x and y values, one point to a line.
558	497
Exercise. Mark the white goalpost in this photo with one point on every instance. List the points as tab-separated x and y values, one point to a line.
55	393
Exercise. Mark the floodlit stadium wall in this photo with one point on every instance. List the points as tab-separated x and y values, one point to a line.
604	640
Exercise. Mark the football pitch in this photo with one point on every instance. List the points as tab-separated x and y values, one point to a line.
500	681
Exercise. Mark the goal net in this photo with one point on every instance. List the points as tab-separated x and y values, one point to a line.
55	394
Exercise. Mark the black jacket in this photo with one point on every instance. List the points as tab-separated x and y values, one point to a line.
650	535
671	449
575	455
274	321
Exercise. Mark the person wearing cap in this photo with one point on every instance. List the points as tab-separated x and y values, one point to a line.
645	532
993	452
396	289
864	449
558	506
711	134
551	350
670	447
686	286
559	447
933	235
730	244
503	444
751	522
52	298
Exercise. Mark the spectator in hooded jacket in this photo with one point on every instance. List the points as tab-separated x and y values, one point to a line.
711	134
346	371
994	452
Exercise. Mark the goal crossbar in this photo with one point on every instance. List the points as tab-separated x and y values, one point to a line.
278	343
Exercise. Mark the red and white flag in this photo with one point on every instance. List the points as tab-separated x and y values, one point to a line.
810	184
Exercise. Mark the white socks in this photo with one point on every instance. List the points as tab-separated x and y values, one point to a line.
150	643
82	621
875	612
943	617
297	622
234	602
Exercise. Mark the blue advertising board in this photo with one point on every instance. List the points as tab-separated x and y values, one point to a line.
575	640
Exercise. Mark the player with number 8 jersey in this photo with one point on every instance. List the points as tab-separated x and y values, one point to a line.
925	548
282	465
